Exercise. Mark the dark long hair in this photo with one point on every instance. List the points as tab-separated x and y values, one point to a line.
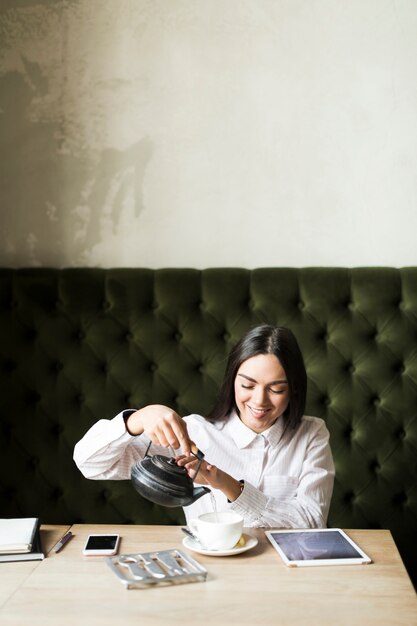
266	339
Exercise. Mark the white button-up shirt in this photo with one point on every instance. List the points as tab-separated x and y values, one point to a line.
288	475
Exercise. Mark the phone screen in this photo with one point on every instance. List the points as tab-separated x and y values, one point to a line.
101	542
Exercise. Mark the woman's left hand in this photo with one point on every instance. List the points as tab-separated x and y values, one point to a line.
211	476
207	474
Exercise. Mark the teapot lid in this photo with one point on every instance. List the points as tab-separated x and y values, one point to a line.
166	467
165	472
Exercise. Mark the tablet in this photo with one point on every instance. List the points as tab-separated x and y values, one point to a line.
317	546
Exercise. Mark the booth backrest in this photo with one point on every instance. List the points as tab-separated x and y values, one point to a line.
82	344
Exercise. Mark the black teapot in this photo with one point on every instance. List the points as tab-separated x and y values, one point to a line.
159	479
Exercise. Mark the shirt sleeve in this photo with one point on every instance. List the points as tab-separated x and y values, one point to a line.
108	451
309	507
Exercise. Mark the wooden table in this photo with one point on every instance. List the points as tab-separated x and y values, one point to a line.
251	588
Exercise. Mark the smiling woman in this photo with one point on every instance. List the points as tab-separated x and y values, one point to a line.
282	364
264	459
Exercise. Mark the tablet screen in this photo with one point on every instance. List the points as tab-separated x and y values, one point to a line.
315	547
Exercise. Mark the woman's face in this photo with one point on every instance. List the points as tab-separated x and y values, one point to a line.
261	391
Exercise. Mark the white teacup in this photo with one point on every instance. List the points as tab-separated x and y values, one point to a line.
217	531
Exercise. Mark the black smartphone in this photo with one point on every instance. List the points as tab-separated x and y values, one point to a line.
101	545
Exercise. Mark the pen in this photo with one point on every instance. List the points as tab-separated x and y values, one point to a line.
61	543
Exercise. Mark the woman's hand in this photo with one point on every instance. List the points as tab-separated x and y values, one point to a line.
212	476
162	425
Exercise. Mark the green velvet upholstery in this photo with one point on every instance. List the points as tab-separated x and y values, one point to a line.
77	345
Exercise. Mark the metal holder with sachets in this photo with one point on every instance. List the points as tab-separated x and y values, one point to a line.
162	567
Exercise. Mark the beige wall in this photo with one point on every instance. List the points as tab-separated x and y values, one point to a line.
208	132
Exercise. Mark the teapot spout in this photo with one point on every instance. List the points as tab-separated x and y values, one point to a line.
198	492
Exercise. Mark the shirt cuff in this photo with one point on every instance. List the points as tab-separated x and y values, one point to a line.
250	504
118	426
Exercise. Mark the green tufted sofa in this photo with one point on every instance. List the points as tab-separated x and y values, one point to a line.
82	344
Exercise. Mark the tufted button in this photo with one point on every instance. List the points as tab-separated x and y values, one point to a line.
349	497
13	305
401	434
7	429
301	305
350	368
349	433
226	336
350	305
128	336
57	366
9	365
9	493
178	336
57	493
105	305
374	466
104	495
326	400
80	398
104	367
56	429
33	462
376	401
80	335
400	499
30	334
153	367
33	397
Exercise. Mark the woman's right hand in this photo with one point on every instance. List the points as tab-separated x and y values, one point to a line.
162	425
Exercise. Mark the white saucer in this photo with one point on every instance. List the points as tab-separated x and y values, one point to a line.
195	546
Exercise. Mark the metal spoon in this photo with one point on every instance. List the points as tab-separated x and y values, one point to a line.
193	536
190	534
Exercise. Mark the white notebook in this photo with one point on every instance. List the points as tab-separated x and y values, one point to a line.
17	535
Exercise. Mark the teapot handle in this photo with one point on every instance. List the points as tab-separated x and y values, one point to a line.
200	456
197	452
147	450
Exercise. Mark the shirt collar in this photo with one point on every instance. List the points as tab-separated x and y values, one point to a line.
244	436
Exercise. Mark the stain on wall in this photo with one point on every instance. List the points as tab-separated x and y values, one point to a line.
65	182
